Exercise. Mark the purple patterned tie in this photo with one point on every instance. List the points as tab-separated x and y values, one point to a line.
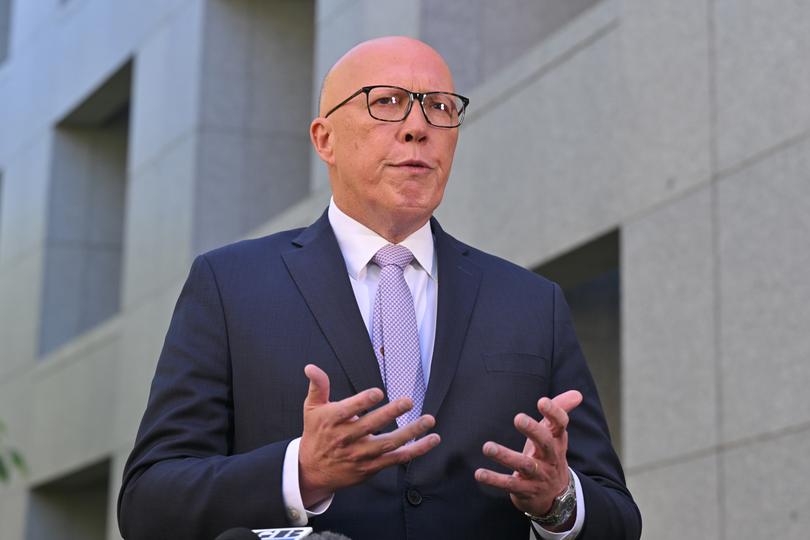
395	336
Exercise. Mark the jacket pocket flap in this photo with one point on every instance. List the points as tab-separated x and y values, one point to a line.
529	364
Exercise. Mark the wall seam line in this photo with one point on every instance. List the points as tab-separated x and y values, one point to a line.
716	266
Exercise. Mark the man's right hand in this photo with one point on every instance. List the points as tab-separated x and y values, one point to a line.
339	447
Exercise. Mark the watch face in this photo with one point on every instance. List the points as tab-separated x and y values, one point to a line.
562	508
569	503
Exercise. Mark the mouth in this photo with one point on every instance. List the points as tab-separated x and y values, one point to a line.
414	165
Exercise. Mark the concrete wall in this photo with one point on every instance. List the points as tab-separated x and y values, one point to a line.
684	125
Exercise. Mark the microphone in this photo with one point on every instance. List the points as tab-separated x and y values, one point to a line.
239	533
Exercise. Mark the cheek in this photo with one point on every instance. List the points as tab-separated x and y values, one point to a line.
363	152
450	150
439	193
447	162
351	141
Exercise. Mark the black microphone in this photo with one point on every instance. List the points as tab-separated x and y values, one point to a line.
239	533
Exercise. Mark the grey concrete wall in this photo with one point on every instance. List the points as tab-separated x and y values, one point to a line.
478	37
5	27
255	108
684	125
720	362
83	247
73	507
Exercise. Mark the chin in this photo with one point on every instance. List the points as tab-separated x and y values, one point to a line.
418	199
413	215
417	204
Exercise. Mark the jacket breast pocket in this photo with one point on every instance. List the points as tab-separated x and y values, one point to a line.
517	363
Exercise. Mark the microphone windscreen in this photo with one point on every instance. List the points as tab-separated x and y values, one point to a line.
327	535
239	533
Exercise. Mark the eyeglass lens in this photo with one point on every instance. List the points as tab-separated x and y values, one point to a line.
391	104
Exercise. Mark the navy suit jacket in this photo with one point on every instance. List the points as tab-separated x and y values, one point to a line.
229	387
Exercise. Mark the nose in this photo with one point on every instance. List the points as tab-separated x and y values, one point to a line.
415	126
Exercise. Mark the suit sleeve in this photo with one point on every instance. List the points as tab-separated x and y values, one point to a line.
182	480
610	512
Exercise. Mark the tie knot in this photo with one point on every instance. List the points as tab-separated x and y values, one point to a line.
393	254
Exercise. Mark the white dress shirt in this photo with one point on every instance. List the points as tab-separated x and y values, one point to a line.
358	244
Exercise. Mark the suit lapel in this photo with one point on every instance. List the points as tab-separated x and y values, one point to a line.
319	271
459	280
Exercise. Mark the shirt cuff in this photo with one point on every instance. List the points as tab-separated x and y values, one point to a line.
578	522
291	489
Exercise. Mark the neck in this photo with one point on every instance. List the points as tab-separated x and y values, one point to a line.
393	230
395	235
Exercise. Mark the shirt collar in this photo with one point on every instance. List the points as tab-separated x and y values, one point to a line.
358	243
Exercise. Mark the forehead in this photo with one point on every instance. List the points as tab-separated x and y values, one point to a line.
413	67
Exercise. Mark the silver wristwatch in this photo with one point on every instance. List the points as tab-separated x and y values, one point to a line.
561	509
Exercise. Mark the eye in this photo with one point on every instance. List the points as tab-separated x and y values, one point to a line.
384	97
441	104
386	100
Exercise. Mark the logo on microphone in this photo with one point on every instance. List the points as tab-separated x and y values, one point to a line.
284	534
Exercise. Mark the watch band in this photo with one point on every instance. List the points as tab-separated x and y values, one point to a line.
561	509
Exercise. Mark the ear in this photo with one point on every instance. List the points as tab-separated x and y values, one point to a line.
321	134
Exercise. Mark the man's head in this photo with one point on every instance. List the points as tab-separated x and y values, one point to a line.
390	176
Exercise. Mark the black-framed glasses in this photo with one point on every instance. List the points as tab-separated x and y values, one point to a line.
393	104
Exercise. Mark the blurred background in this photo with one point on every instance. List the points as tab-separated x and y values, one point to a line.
652	156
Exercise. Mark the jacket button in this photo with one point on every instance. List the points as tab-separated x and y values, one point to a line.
414	497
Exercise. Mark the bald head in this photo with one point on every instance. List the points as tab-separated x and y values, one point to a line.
370	62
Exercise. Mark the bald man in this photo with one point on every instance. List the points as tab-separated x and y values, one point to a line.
275	402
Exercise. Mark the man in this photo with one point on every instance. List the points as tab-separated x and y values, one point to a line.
424	358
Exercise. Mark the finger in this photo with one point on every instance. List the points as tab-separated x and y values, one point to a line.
540	435
568	401
379	418
555	411
408	452
388	442
508	482
353	406
554	417
522	463
371	423
529	448
318	393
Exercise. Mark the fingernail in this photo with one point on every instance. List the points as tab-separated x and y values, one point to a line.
490	450
424	423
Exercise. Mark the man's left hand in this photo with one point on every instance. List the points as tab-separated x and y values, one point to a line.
541	470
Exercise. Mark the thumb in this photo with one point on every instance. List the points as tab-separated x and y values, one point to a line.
318	386
568	401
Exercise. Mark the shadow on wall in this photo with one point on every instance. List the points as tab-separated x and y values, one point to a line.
590	278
